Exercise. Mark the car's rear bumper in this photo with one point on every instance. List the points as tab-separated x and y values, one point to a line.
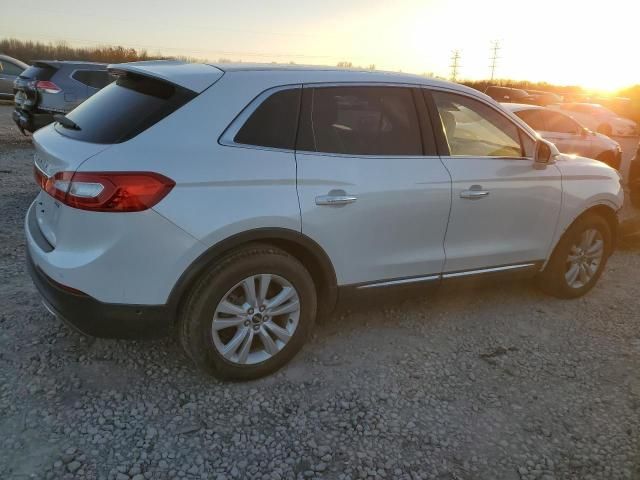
96	318
30	121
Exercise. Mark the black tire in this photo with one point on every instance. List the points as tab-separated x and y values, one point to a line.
196	316
605	129
552	280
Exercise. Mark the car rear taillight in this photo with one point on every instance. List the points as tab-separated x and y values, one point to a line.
106	191
47	86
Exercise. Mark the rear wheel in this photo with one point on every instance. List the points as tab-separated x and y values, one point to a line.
250	314
579	258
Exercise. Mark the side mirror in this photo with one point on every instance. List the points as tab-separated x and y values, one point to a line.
545	152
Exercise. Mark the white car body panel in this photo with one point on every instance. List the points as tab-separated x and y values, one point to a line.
194	76
133	258
586	183
396	228
513	224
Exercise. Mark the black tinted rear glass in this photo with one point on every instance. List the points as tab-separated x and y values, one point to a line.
93	78
274	122
124	109
38	72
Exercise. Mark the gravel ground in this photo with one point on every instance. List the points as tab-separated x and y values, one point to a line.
474	382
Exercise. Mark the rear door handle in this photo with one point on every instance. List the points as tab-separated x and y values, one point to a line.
475	192
335	199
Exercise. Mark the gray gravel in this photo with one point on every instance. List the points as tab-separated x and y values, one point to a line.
476	382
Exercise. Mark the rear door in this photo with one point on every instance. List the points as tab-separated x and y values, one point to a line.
504	210
373	193
9	71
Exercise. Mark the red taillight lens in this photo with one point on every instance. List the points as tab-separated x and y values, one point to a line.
47	86
107	191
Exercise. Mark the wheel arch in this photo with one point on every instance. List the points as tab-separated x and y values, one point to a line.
296	244
604	210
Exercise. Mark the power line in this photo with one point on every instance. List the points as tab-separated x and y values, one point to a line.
495	48
455	65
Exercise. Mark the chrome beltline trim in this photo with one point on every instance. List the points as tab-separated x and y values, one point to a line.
428	278
401	281
487	270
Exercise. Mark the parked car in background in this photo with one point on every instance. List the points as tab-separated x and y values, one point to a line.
568	134
598	118
230	202
510	95
10	68
539	97
50	87
634	179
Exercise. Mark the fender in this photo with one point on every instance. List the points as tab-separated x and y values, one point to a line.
562	229
294	242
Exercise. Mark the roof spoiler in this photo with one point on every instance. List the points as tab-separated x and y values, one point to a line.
196	77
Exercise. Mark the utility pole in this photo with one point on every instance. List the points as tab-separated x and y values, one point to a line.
495	48
455	65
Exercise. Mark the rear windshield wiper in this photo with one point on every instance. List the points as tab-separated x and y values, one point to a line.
66	122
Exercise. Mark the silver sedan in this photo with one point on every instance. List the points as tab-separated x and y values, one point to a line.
567	134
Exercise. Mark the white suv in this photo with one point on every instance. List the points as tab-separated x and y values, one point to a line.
235	201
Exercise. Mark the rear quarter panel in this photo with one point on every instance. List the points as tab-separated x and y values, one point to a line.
220	190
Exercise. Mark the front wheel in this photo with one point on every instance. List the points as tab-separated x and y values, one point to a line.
579	258
250	314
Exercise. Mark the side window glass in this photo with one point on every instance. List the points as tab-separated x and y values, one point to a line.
274	123
475	129
361	121
9	68
533	118
562	124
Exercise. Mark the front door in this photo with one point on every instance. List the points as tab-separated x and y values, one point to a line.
504	210
373	193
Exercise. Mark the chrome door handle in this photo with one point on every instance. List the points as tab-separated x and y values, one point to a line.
474	193
335	199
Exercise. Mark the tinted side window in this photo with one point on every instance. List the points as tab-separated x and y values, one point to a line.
477	130
562	124
93	78
274	123
9	68
533	118
360	121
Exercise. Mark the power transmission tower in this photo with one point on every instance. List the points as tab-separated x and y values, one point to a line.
495	48
455	65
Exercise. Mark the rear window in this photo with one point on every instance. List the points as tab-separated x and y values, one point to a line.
124	109
38	72
93	78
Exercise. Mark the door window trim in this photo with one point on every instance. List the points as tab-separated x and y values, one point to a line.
413	88
438	129
228	136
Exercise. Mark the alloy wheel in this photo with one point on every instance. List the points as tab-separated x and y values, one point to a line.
255	319
584	258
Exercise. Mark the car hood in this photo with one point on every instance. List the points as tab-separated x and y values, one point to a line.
585	168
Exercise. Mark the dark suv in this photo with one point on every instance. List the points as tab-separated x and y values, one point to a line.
50	87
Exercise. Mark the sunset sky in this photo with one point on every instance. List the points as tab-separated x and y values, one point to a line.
560	41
